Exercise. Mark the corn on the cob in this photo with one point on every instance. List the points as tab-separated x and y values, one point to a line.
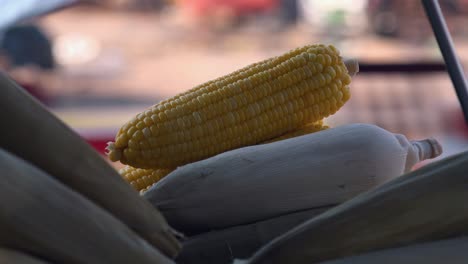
307	170
254	104
46	218
142	179
75	164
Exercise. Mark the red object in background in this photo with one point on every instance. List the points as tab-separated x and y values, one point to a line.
97	138
99	144
237	7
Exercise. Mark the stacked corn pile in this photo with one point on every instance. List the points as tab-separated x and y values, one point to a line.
251	146
238	200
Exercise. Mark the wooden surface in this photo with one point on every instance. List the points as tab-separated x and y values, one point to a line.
37	136
222	246
427	204
42	216
450	251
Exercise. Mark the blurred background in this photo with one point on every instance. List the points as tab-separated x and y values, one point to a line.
97	63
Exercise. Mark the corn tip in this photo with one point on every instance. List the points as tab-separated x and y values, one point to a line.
114	154
352	65
436	147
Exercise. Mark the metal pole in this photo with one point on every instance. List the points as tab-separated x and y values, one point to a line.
455	70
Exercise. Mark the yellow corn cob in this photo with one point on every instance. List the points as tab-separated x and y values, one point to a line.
142	179
254	104
307	129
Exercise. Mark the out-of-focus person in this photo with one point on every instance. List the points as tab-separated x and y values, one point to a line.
26	55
